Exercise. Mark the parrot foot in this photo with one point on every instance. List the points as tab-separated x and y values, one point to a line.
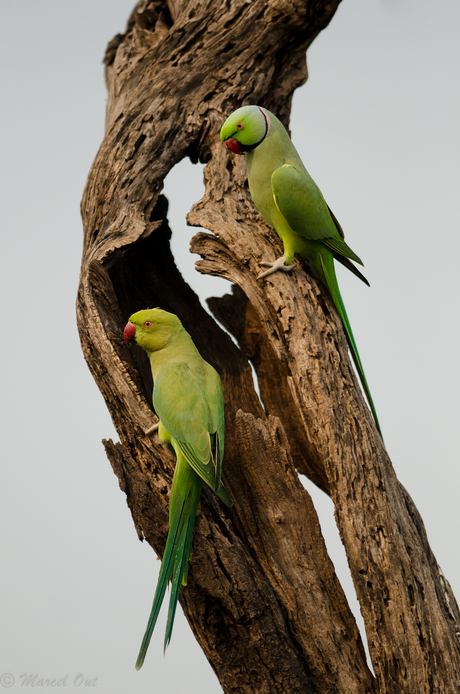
279	264
152	429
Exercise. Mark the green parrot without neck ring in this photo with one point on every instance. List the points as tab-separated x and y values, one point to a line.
289	199
188	399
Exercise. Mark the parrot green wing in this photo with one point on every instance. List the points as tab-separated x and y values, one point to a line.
215	399
336	222
342	249
301	203
192	418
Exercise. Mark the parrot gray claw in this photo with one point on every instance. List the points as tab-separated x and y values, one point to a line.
279	264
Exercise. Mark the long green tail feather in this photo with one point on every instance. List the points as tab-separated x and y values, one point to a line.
327	272
185	495
177	580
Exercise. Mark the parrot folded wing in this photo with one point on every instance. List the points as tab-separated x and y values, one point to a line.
184	411
336	222
301	203
341	248
344	259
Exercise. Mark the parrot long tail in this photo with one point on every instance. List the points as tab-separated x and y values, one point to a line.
185	495
326	271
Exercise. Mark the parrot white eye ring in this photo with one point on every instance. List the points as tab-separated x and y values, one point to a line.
240	126
147	324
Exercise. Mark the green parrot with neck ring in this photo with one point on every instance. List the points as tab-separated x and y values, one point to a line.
289	199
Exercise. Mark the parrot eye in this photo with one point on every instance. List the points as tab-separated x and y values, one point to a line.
147	324
240	126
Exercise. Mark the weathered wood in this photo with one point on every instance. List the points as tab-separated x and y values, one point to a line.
262	599
412	624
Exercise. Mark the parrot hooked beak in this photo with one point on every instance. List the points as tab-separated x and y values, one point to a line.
233	145
129	331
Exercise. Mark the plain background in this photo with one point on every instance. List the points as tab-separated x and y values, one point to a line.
377	127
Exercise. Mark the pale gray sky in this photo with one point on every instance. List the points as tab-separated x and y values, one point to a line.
377	127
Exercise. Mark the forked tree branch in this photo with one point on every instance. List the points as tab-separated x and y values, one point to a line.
262	599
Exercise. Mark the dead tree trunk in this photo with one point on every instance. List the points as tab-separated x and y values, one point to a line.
263	599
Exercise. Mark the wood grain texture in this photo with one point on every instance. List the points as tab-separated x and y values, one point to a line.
263	599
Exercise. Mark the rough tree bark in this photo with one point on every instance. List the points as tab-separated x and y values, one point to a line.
263	599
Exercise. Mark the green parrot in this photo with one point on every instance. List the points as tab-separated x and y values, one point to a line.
289	199
188	399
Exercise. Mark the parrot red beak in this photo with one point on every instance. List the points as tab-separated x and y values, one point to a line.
129	331
233	145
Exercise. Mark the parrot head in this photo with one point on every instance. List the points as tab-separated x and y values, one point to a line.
152	328
246	128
